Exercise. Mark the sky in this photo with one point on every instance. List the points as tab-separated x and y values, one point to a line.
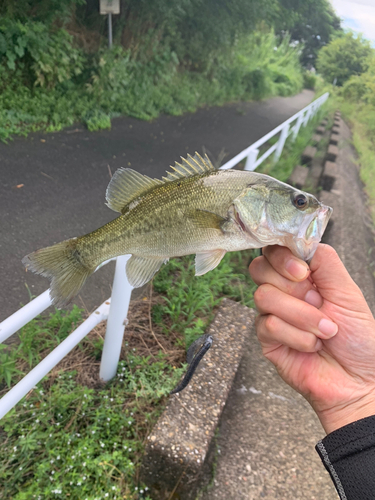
357	15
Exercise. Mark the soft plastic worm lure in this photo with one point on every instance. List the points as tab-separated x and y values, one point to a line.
194	357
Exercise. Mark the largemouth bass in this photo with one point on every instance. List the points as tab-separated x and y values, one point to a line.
194	209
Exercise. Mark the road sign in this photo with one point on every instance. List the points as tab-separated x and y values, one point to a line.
109	6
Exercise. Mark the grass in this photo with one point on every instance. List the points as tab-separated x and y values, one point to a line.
361	118
73	437
291	155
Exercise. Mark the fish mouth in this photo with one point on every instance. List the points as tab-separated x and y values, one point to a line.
311	233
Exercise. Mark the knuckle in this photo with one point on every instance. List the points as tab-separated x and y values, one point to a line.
271	323
262	292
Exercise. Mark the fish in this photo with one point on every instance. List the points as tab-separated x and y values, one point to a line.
195	209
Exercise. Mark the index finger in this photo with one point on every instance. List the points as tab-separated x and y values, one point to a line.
285	263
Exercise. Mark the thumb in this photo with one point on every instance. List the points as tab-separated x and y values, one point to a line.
334	282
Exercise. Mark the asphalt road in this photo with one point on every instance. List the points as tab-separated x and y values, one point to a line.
52	186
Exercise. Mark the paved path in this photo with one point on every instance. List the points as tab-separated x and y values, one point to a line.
65	175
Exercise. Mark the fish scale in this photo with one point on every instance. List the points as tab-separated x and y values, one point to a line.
194	209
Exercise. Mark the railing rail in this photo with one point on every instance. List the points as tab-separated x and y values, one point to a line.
115	309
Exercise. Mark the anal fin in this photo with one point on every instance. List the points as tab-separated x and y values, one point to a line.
207	261
140	270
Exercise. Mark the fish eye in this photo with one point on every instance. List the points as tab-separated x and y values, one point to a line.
300	201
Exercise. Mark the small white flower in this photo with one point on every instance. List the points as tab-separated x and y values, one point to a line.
78	484
108	419
20	468
93	432
58	458
37	421
52	472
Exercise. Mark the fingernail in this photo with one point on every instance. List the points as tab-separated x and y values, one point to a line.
297	268
328	327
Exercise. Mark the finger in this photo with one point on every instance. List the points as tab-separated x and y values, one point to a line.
296	312
334	282
272	331
285	263
262	272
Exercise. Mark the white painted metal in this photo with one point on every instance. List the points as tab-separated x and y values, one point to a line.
116	312
251	159
28	312
302	117
121	292
280	143
25	385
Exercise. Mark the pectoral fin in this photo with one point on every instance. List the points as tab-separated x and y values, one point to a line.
140	270
207	261
204	219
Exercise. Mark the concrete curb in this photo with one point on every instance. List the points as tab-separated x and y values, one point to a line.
179	450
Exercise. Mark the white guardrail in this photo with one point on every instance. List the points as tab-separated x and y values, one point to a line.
115	309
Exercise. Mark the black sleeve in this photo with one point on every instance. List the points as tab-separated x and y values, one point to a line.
348	454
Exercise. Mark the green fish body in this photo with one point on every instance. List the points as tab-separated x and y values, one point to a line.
195	209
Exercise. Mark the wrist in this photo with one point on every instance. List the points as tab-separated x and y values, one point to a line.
337	417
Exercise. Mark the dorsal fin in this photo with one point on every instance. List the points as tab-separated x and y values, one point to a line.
189	166
127	185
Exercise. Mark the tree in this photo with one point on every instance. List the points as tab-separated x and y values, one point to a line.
346	56
309	22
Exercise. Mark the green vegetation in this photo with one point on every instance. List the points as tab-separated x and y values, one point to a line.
346	56
55	69
353	64
72	437
292	152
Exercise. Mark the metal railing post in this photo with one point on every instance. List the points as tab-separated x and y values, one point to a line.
121	293
297	126
251	159
280	143
307	117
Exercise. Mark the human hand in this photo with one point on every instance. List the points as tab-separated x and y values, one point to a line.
317	329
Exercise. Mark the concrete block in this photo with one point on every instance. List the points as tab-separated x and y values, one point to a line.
332	152
334	139
179	450
324	122
337	113
308	155
298	177
330	168
320	130
315	173
335	129
337	122
316	138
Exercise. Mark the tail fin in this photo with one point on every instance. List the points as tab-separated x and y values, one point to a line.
62	265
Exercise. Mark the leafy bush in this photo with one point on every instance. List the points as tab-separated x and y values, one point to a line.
33	55
309	80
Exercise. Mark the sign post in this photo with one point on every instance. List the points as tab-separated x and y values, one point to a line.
109	7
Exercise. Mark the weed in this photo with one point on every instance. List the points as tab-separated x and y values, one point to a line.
75	438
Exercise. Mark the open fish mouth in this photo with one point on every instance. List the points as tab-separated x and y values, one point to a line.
311	233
